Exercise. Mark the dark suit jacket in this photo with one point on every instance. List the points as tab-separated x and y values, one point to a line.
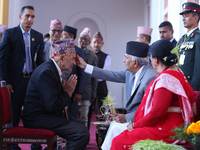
45	98
79	72
191	64
90	88
174	42
75	70
12	53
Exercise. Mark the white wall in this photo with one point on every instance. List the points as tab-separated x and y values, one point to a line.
118	20
156	17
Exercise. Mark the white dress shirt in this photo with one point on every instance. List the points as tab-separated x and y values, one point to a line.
58	68
107	65
135	79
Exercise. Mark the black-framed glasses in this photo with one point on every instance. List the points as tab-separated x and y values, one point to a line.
82	38
54	31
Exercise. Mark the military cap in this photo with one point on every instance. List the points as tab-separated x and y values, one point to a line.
190	7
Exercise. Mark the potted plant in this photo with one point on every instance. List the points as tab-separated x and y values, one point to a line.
190	133
108	107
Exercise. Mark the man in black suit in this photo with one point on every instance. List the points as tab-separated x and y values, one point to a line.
20	53
166	32
70	32
48	94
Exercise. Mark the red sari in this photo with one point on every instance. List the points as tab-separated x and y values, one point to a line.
153	120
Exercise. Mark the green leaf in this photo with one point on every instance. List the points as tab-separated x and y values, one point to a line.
154	145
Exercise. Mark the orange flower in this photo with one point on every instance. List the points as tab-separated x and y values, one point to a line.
193	128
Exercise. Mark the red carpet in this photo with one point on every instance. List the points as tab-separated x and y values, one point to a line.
91	146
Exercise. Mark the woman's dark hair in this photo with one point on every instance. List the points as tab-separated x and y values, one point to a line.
162	50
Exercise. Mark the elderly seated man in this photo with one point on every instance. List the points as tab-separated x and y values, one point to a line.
137	76
48	94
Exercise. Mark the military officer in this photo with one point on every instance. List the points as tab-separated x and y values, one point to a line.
189	54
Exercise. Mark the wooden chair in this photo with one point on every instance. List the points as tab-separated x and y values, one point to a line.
20	134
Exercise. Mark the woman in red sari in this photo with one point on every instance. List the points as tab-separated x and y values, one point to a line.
167	103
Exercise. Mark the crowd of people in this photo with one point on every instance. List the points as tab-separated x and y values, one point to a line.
59	84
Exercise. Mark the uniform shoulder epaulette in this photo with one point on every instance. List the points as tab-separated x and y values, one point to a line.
198	32
183	35
181	38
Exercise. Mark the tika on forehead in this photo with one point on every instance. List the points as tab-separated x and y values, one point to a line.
64	47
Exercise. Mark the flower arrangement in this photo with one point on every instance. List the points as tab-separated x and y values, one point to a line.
154	145
191	133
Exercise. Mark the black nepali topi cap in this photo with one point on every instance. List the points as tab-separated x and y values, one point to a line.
70	30
137	49
190	7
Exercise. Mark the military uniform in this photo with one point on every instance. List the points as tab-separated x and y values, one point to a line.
189	56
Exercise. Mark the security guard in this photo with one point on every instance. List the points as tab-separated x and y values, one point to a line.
189	54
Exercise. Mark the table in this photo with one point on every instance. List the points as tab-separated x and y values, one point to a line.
101	130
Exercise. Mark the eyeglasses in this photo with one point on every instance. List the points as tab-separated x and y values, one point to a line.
54	31
82	38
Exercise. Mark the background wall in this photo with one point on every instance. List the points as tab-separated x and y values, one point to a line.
117	20
157	13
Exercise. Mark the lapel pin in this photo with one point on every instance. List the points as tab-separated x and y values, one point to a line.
33	39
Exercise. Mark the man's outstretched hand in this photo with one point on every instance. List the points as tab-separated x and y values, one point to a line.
80	62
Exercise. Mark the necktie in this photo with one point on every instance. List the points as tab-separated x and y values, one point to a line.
133	85
28	63
185	37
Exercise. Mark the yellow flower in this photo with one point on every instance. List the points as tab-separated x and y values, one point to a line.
193	128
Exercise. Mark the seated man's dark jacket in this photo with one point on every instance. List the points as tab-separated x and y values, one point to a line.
45	99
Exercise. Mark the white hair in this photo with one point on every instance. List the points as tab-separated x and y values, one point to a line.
142	61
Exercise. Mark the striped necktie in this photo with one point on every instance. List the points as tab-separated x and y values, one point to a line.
28	63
